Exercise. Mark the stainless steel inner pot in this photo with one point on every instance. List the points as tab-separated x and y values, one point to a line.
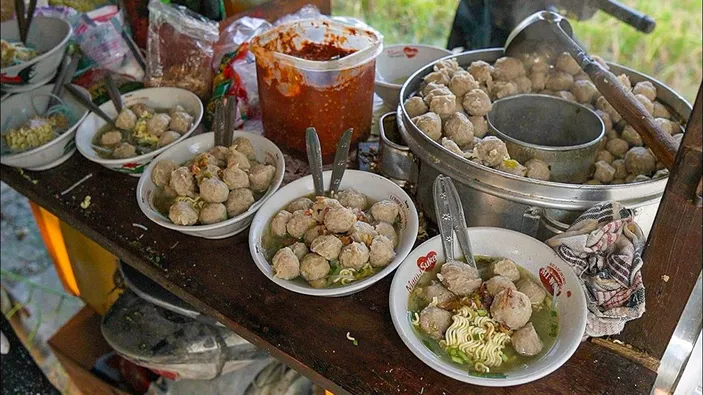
563	134
494	198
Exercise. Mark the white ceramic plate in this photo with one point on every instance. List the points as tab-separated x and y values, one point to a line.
531	254
158	98
375	187
266	152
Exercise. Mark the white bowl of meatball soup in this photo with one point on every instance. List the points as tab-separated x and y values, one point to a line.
152	120
518	319
338	245
212	192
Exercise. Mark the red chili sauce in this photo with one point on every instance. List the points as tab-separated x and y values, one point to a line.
319	52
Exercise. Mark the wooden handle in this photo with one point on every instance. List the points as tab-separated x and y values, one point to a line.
627	105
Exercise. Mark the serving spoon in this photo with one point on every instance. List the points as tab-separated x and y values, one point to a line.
450	218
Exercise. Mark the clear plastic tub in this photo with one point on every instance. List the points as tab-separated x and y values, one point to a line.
320	73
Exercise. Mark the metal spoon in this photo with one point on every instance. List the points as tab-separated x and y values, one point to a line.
312	142
444	216
218	124
68	69
459	221
340	161
114	93
230	108
87	103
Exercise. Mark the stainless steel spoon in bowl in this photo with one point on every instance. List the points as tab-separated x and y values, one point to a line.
340	162
312	143
450	219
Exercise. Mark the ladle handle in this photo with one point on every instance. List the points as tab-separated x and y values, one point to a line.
624	102
632	17
444	217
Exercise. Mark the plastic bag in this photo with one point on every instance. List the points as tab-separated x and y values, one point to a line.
180	49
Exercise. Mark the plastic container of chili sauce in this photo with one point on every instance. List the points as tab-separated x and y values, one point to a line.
319	73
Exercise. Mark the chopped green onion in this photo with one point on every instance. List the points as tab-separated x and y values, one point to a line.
457	360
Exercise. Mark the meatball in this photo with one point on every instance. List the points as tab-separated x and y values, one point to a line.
620	169
592	182
538	81
260	177
111	138
361	232
605	117
508	69
663	173
524	84
646	103
450	67
630	135
567	64
477	103
126	120
175	109
566	95
480	126
600	61
312	233
386	229
639	160
212	213
558	81
328	246
617	147
220	154
537	169
438	77
645	88
181	122
354	256
665	125
506	268
660	110
314	267
437	290
183	213
491	151
158	124
429	124
415	107
444	106
603	105
432	86
209	171
299	224
481	71
339	219
513	167
525	341
501	89
540	65
640	178
141	110
604	156
236	158
459	278
213	190
625	81
385	211
452	147
511	308
352	198
235	177
124	150
498	283
604	173
286	265
299	204
462	83
167	138
279	223
243	145
239	201
435	321
677	139
381	252
182	182
534	292
458	128
322	205
161	173
584	91
299	249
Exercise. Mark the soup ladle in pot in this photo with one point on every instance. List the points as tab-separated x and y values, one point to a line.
450	219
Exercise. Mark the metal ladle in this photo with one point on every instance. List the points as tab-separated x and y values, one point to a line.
548	34
450	219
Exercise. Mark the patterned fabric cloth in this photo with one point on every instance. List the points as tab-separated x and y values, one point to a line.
604	248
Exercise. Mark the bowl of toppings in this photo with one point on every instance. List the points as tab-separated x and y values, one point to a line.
151	120
337	245
35	137
517	319
209	191
25	67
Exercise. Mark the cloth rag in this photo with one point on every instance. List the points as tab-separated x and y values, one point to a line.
604	248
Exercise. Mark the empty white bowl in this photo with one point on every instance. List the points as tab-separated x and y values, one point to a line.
534	256
55	151
49	36
397	62
153	97
375	187
266	152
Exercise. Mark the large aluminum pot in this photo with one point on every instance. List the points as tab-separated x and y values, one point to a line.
537	208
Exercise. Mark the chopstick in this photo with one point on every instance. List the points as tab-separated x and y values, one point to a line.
21	18
28	18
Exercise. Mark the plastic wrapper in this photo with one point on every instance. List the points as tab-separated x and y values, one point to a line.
180	49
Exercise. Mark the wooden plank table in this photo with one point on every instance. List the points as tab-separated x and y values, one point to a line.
220	278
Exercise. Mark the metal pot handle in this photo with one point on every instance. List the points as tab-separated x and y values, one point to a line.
531	219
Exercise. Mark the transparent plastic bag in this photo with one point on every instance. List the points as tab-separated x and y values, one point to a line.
180	48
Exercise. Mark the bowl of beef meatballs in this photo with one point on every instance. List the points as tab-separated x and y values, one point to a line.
204	190
338	244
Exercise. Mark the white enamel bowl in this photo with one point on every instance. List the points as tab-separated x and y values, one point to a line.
375	188
54	152
531	254
266	152
153	97
401	61
49	36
